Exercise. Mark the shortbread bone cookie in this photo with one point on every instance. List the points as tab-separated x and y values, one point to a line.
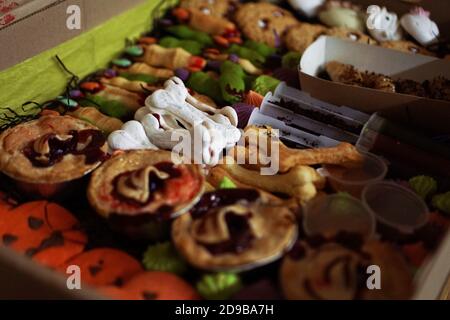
143	68
264	22
94	116
300	37
344	154
170	58
217	174
300	182
133	86
212	25
172	113
215	8
131	100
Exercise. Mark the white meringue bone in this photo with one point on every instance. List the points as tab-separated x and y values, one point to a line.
173	111
165	139
175	93
132	136
383	25
419	25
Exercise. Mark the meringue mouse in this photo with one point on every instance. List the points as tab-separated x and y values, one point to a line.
308	8
382	24
419	25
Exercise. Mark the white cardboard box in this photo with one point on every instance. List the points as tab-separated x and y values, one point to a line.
427	114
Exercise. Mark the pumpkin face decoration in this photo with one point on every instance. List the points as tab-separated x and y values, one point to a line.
43	231
104	267
152	286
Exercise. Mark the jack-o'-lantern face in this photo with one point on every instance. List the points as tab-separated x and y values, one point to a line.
105	267
43	231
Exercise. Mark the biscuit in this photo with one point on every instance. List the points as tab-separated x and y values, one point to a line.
406	46
215	8
300	37
352	35
264	22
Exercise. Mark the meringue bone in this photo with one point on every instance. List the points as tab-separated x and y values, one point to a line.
132	136
383	25
171	114
419	25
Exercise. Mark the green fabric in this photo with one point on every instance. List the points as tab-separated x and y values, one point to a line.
41	78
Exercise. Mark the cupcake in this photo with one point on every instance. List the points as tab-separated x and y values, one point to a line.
136	189
234	230
46	155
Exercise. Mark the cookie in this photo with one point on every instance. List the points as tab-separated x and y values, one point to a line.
352	35
300	37
406	46
215	8
264	22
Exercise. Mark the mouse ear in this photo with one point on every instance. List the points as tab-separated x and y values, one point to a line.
372	12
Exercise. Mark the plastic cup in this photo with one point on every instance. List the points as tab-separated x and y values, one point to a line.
398	210
329	215
353	180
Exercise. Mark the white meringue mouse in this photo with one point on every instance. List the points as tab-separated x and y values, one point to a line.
383	25
171	113
308	8
419	25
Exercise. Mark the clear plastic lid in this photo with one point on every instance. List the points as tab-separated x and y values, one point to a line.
331	214
395	206
353	180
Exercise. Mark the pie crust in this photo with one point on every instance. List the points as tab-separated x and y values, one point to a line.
121	186
16	164
272	229
334	272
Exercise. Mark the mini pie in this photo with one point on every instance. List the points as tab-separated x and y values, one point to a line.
335	272
50	150
234	230
145	184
